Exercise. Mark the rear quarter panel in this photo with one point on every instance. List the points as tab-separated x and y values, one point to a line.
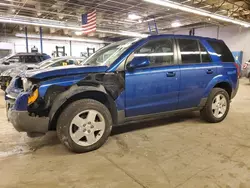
226	72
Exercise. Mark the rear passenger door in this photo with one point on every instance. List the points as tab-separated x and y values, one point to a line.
197	70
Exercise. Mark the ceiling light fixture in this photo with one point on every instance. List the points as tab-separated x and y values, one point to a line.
176	24
62	38
133	16
198	11
39	24
61	17
78	33
125	33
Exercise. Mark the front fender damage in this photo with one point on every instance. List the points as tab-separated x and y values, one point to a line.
109	84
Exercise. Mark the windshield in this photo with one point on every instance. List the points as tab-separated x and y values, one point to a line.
6	57
107	55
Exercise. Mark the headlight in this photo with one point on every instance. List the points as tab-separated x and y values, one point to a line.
26	84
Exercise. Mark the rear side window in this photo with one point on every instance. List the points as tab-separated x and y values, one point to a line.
44	57
189	50
221	50
192	51
205	57
31	59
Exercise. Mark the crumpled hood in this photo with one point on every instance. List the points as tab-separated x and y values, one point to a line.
13	72
62	71
16	71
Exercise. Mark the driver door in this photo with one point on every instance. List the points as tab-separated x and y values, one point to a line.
154	88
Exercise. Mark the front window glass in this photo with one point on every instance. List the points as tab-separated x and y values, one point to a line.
159	52
107	55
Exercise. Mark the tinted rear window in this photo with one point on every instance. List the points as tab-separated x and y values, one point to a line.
222	50
32	59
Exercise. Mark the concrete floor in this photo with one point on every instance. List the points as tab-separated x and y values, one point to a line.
181	151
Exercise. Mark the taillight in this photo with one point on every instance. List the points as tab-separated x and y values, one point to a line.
238	69
245	65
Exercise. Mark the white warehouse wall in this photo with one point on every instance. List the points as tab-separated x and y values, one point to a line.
236	38
19	45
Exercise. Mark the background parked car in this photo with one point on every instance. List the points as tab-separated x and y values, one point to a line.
18	60
7	75
245	70
22	58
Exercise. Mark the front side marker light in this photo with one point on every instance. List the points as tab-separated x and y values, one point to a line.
32	98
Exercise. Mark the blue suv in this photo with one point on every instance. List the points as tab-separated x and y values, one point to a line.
127	81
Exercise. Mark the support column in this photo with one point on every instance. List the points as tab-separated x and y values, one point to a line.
41	38
218	32
26	38
70	47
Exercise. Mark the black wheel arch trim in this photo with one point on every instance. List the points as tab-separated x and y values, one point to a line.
75	90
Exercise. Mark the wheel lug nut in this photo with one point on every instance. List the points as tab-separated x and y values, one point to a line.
89	122
84	125
84	130
89	131
92	126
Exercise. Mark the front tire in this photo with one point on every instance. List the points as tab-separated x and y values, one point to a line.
84	125
3	88
217	106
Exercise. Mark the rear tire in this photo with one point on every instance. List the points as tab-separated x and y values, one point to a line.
84	125
217	106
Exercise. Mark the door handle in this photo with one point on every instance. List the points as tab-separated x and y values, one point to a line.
170	74
209	71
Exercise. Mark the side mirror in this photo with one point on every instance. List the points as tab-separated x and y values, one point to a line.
138	62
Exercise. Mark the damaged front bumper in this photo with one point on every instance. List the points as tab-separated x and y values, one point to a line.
21	118
23	122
